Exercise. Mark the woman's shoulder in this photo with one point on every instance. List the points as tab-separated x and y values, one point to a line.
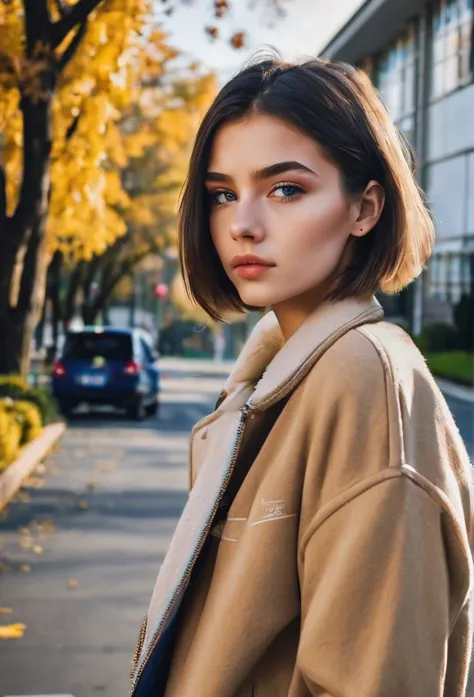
375	357
374	391
374	379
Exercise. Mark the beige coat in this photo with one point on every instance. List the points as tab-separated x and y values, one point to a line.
343	568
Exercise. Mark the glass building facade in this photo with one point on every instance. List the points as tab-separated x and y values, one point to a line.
426	79
395	75
449	158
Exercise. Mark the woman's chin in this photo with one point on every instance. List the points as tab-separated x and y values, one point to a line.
259	297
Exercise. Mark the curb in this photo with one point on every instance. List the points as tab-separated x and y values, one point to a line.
451	389
29	458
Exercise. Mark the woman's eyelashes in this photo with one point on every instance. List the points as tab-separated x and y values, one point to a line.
288	191
219	197
284	192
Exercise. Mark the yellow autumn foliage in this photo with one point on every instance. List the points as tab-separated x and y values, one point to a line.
12	631
123	64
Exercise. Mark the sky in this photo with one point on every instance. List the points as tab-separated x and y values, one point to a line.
307	27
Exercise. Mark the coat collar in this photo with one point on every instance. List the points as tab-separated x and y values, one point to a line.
271	365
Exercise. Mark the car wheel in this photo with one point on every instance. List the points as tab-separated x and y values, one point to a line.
66	410
137	411
153	408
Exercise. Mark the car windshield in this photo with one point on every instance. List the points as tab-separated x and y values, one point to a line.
88	345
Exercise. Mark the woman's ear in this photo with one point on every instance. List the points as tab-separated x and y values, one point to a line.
370	210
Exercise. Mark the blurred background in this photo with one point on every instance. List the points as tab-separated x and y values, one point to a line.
100	101
123	113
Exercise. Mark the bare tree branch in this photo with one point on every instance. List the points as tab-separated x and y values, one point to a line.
74	284
124	268
73	46
6	64
72	128
78	15
62	7
37	24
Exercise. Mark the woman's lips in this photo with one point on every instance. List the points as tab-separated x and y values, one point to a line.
251	271
250	265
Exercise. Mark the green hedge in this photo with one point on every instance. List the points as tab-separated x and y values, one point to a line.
437	337
454	365
10	435
446	350
30	419
15	388
20	423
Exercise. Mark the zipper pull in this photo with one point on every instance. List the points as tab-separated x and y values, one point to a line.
244	412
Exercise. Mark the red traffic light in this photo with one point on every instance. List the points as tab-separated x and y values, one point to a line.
161	290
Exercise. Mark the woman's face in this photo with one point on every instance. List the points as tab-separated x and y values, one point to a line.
275	196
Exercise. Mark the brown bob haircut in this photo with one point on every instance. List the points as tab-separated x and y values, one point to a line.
337	105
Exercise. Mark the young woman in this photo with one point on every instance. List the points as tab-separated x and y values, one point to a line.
324	547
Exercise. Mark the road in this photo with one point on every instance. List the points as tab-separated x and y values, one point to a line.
82	543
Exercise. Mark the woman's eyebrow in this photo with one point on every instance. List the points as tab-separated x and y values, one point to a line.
265	172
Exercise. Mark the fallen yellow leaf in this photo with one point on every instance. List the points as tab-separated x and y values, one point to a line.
5	610
48	525
25	568
12	631
84	505
33	481
37	549
72	583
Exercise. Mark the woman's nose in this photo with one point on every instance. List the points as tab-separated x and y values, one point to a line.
246	224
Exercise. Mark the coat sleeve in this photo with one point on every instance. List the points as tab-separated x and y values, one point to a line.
378	603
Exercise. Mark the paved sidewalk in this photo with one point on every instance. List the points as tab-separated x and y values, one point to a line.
452	389
81	546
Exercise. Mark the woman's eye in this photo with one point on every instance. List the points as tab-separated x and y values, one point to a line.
220	197
287	191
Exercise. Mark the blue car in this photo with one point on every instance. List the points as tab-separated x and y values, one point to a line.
107	366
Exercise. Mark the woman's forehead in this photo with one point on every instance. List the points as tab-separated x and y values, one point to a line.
261	140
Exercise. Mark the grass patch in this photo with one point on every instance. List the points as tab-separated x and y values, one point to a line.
457	366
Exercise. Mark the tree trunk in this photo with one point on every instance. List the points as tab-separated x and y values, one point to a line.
39	331
9	329
23	263
22	259
17	323
54	272
75	282
89	314
23	271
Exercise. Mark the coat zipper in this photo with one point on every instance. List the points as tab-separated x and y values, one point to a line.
235	449
138	650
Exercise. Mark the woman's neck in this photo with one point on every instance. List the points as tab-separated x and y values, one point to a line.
292	313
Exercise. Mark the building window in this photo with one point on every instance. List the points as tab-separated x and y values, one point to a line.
447	195
451	45
450	276
470	195
395	77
